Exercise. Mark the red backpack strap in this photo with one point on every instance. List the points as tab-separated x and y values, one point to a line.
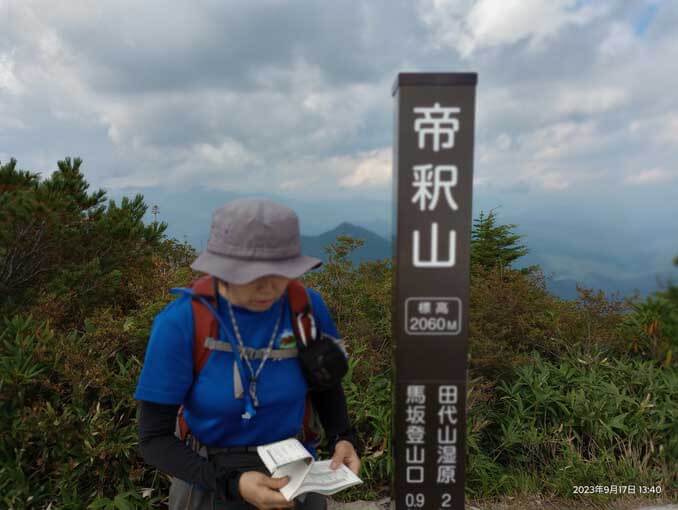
300	303
204	325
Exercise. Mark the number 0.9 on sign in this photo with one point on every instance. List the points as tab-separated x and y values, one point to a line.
414	500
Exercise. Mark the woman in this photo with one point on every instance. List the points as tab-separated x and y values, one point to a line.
231	406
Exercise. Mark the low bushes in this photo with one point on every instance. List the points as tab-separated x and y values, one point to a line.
554	399
585	420
70	415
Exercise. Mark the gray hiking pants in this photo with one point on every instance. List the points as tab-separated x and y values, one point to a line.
184	496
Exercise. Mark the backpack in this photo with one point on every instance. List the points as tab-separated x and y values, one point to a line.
206	326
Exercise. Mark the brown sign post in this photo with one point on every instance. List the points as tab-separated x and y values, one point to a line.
432	195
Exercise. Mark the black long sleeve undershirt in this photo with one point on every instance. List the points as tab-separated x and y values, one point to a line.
331	408
160	448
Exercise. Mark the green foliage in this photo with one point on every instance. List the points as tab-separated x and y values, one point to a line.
583	415
560	393
62	250
67	380
69	412
127	500
360	301
369	405
514	321
515	324
494	245
652	327
513	315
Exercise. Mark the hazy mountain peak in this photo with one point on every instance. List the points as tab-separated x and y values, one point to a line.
374	248
345	225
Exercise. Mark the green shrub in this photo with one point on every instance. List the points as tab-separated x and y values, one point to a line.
513	315
652	327
63	248
586	391
71	433
584	420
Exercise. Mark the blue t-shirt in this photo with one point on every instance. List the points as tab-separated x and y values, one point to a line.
211	411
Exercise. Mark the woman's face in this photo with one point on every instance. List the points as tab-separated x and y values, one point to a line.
257	295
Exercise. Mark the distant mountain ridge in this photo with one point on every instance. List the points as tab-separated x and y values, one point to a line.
599	261
566	288
374	248
377	248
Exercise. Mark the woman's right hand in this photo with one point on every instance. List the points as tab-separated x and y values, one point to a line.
263	491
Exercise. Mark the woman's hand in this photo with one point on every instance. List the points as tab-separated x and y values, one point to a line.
263	491
345	453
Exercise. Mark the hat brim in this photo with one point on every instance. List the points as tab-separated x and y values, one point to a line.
241	271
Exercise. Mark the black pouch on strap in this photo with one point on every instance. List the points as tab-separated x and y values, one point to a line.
323	363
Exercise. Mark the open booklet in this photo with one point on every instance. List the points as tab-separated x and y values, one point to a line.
290	458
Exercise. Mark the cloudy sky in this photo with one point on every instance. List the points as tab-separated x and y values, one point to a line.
191	103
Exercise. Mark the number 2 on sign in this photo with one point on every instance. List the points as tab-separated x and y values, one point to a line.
447	498
414	500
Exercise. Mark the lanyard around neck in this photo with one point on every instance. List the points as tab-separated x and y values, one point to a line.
249	387
249	407
254	376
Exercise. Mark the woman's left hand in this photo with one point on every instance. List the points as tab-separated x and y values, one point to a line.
346	454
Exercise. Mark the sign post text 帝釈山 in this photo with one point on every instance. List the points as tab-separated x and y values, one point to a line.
432	196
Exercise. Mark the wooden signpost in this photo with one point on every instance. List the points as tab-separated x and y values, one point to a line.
432	196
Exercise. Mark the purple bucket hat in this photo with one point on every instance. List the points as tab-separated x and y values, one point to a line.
251	238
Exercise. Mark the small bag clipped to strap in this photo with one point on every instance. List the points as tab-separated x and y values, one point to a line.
322	361
323	364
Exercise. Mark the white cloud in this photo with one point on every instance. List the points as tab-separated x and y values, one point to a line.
8	80
492	151
137	180
503	142
230	167
554	181
592	101
9	123
652	175
278	139
535	175
228	153
293	184
469	26
618	41
373	168
661	128
555	157
480	181
156	128
560	140
570	100
669	129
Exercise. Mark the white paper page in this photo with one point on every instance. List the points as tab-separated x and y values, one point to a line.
297	471
325	480
280	453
